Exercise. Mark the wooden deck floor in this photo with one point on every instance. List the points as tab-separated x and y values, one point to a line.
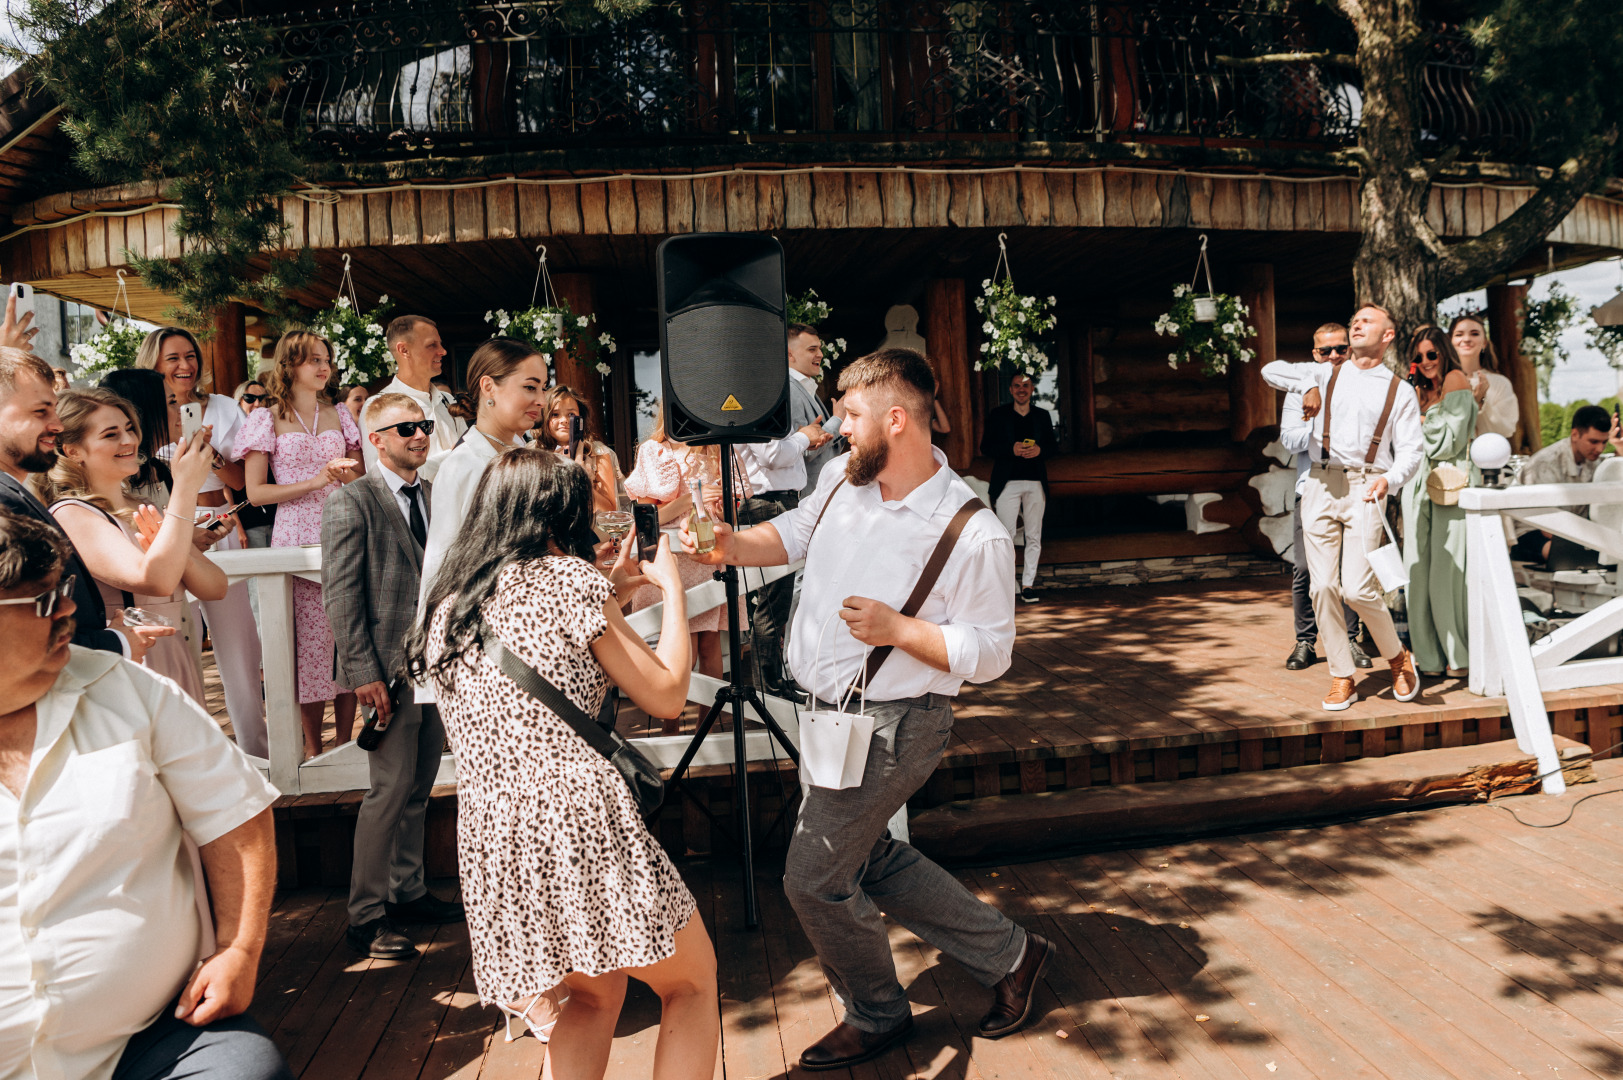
1449	943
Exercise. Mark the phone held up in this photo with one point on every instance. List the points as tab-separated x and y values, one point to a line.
577	434
191	418
646	516
24	293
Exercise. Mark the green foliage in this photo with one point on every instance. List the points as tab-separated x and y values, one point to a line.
553	329
1553	422
115	347
1543	323
1606	340
160	90
360	354
811	311
1215	343
1013	324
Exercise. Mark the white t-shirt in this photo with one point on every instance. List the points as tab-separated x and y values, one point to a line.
226	416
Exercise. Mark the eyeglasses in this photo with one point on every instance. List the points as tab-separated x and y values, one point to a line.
1427	354
46	603
1331	350
408	428
254	399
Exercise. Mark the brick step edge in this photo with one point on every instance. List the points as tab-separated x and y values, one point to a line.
1055	820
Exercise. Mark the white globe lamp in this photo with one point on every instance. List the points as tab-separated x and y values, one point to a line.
1490	452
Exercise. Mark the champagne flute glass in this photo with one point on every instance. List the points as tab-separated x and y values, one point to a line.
614	524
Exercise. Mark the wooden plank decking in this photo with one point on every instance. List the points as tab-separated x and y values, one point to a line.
1450	943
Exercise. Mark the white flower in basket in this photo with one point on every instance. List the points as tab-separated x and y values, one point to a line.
554	328
1217	342
1012	326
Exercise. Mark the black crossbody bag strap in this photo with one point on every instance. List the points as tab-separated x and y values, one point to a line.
538	686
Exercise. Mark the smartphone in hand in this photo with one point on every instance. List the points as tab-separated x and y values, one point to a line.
646	515
191	418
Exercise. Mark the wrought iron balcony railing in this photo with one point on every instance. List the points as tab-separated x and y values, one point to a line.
397	77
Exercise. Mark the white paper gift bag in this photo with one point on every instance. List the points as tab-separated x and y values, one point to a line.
1387	560
834	742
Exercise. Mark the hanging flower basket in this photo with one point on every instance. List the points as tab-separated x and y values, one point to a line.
1212	325
807	308
550	327
1013	322
115	347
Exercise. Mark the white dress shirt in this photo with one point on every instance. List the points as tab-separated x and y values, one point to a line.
99	919
868	547
1294	432
779	465
397	484
1360	397
436	407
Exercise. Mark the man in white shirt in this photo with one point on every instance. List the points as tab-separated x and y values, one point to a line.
1366	442
776	472
116	792
888	505
419	354
1295	432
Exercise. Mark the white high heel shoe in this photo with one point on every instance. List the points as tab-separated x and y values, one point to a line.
542	1032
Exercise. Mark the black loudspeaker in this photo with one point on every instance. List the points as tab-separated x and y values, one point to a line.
723	339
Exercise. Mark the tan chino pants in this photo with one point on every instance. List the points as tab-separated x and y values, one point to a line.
1340	530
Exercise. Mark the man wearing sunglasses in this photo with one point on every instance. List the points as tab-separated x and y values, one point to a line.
117	792
415	344
1295	433
372	537
28	431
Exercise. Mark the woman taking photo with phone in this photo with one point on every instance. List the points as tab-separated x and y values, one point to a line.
313	446
566	891
174	353
593	454
141	557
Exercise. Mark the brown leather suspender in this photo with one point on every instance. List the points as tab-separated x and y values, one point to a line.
927	578
1380	425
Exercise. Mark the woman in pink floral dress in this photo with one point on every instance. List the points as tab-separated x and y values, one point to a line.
311	446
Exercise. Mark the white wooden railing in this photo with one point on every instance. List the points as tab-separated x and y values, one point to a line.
1502	660
344	768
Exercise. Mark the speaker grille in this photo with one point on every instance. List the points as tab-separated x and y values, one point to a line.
731	351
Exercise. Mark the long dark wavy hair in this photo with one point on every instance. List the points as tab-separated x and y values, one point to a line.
1436	337
528	502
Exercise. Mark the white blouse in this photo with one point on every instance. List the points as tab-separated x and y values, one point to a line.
1499	412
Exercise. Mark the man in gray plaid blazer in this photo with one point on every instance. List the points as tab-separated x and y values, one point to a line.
372	536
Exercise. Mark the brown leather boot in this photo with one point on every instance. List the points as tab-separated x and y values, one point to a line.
846	1045
1012	996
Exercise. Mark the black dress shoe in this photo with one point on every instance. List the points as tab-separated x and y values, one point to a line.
1012	1001
1303	656
381	940
1360	659
846	1045
427	908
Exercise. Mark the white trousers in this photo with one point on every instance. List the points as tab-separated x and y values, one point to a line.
1023	500
1340	530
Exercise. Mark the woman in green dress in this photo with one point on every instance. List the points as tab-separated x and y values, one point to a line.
1434	535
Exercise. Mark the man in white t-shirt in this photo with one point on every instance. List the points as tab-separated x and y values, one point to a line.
117	793
1366	443
415	344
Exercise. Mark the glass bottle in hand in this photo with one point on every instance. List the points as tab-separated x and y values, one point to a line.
699	523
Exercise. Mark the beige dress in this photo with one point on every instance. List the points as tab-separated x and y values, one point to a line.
178	657
559	873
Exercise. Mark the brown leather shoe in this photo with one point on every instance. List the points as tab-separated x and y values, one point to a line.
1012	996
1405	683
846	1045
1341	694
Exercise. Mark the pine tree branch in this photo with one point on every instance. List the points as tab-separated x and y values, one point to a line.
1467	265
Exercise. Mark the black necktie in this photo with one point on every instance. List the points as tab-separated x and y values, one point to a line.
419	527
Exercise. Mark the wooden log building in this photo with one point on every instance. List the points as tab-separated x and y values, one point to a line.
887	144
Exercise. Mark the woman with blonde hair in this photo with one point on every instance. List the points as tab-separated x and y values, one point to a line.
593	454
310	457
1498	410
175	354
141	557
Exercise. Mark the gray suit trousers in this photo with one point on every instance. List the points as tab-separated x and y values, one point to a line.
844	867
388	864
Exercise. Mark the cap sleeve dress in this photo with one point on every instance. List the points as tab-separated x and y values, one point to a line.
559	873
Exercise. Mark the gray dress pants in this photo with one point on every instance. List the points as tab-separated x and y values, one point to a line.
844	867
388	863
170	1049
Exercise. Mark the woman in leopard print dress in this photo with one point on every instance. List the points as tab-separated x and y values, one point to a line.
562	881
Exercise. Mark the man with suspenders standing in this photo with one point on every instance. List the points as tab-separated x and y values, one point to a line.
1366	443
910	565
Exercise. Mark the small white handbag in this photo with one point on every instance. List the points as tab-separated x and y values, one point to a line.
1387	560
834	742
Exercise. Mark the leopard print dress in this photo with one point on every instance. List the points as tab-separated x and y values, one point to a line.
559	873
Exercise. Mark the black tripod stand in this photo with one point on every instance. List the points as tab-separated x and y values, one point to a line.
733	696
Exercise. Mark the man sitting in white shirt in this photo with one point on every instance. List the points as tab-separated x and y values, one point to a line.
415	344
1571	461
116	792
1366	442
889	503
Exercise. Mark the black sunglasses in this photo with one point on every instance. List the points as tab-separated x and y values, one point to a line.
1330	350
1428	354
408	428
46	603
254	399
